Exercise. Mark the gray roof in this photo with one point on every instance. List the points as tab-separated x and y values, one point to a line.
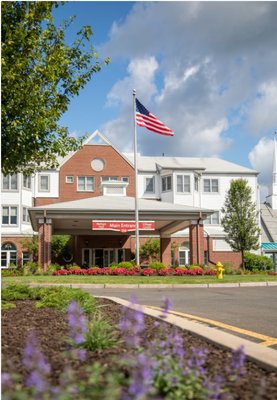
205	164
75	216
118	203
269	223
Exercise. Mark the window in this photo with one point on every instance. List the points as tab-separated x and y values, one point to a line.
196	183
166	183
9	215
43	183
125	179
9	182
213	219
25	215
109	178
26	257
85	183
183	183
27	181
69	179
150	185
8	255
211	185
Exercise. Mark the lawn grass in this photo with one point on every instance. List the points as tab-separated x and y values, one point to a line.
137	279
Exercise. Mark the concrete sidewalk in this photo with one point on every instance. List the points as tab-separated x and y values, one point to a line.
157	285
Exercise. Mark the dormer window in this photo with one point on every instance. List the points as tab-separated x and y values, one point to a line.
166	183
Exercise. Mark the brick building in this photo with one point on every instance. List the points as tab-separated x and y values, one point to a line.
182	196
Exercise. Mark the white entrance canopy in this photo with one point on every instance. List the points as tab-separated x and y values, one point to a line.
74	217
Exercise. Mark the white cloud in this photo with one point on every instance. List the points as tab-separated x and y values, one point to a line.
261	159
262	114
204	68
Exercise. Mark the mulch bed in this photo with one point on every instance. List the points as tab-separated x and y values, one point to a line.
51	329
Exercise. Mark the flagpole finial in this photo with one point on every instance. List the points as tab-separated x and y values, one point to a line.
134	91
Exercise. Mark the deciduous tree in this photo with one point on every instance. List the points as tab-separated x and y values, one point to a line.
240	218
41	73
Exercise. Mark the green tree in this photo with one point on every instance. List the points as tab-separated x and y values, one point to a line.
151	249
40	76
240	218
31	244
60	246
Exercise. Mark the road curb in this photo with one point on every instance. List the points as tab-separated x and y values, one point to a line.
156	285
263	356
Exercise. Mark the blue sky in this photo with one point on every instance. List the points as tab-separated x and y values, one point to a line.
208	70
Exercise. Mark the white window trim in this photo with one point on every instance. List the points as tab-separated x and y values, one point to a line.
39	183
145	184
27	214
85	190
167	190
210	192
26	187
110	178
67	180
9	189
183	192
17	214
215	224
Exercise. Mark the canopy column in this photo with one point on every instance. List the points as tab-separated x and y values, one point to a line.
196	238
165	246
44	242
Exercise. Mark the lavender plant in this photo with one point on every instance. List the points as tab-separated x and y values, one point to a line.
163	368
78	327
34	362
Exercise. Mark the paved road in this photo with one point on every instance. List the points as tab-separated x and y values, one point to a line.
253	309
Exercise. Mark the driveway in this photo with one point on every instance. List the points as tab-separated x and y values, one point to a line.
248	312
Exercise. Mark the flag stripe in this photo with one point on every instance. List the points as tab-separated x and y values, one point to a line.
147	120
153	125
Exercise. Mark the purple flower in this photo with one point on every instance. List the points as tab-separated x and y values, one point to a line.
141	377
77	323
132	325
34	362
196	361
236	367
6	380
166	306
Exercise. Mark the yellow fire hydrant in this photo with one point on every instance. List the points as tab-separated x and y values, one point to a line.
219	270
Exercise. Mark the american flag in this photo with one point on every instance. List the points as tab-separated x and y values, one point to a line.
149	121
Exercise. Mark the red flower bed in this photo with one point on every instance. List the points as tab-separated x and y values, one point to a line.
166	271
179	271
148	271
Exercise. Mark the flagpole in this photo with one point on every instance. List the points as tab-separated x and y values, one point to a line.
136	180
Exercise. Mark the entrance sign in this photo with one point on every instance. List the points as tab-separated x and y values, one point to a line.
122	226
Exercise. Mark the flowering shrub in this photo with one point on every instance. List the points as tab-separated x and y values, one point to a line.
148	272
166	271
210	272
62	272
117	271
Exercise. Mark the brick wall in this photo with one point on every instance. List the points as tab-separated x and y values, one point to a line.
80	165
17	241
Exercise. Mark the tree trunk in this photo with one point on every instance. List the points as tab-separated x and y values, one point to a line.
242	260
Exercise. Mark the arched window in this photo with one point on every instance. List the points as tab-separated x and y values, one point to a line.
8	254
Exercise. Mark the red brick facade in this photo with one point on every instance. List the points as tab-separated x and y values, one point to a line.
44	245
196	235
80	165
